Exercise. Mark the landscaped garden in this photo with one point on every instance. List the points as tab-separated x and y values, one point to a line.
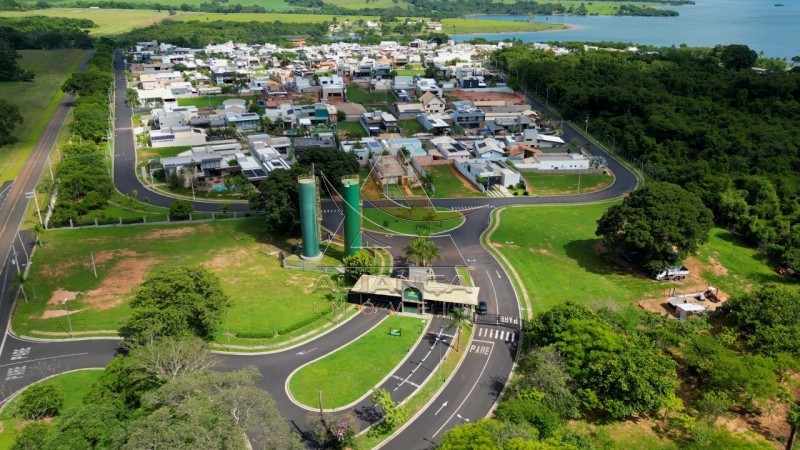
270	304
73	385
411	220
352	371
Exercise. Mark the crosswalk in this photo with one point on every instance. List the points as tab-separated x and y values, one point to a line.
499	335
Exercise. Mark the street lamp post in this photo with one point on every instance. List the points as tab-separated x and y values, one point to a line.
441	342
32	195
579	182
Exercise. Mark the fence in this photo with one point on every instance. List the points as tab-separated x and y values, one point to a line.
301	264
155	219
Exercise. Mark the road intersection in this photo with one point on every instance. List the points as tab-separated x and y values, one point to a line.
468	395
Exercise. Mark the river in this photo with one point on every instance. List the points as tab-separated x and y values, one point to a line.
760	24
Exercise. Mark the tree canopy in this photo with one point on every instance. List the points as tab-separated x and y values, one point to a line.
177	301
656	225
10	119
768	318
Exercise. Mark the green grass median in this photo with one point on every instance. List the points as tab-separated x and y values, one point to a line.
349	373
411	221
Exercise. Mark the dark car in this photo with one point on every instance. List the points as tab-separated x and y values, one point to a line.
482	309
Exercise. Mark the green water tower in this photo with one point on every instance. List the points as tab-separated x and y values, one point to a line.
351	196
309	217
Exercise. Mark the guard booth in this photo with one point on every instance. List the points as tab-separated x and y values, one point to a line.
404	295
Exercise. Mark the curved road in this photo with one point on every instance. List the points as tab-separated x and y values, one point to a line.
469	394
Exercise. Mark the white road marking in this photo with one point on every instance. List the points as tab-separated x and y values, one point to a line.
494	292
477	379
440	408
50	357
306	352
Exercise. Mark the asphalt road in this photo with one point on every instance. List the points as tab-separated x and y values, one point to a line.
469	394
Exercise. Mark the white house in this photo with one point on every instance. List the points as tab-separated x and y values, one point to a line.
177	137
432	103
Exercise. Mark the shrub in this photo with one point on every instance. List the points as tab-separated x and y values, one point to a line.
180	209
41	400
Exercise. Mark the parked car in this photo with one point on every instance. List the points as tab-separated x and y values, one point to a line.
482	309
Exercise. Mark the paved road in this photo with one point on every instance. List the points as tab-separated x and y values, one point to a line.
471	391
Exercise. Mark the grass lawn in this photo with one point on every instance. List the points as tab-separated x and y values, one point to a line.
351	127
265	297
347	374
410	72
627	435
213	100
556	254
405	221
549	184
447	184
734	266
74	385
146	153
357	94
558	258
359	4
109	21
410	127
477	26
36	101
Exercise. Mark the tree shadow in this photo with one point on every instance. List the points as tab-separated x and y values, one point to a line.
592	257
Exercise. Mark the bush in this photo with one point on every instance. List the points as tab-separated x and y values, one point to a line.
33	436
40	400
180	209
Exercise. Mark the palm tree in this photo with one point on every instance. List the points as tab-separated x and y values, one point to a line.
22	280
39	230
461	318
423	248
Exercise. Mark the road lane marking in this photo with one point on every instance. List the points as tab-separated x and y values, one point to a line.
20	353
485	364
440	408
494	292
306	352
49	357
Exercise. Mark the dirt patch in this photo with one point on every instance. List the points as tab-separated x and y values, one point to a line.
717	267
174	233
515	99
59	295
57	270
770	425
103	256
51	313
228	259
121	280
541	251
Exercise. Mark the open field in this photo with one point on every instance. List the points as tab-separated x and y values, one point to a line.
74	385
558	257
109	21
450	184
407	221
213	100
267	17
36	100
549	184
359	4
274	5
478	26
347	374
603	8
266	298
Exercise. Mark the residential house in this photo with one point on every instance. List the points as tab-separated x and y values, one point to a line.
332	87
469	117
449	148
434	123
432	103
364	148
408	110
550	162
323	140
428	85
176	137
243	121
488	173
388	169
487	148
377	122
412	145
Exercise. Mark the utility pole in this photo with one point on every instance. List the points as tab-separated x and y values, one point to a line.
587	124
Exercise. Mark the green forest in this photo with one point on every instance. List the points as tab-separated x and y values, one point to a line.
699	118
